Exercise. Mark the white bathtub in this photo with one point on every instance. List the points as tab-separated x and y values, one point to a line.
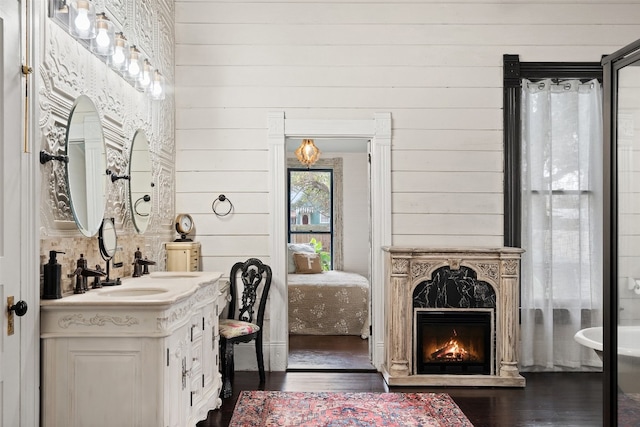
628	353
628	340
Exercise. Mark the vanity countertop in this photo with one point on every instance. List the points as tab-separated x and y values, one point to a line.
156	289
149	306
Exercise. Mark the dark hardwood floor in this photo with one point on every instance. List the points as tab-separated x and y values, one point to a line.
549	399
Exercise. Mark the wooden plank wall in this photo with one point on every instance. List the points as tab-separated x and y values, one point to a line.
435	65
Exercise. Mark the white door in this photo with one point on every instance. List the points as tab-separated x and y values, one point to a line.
19	350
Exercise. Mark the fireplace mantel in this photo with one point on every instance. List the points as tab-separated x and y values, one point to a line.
405	268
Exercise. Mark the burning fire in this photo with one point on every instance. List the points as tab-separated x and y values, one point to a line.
451	351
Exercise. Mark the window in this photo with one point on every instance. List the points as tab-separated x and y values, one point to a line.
553	210
311	209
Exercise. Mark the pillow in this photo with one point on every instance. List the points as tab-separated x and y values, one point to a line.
298	247
307	263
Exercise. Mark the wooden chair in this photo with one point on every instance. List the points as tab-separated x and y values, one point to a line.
247	325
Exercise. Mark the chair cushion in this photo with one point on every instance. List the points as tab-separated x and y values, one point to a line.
231	328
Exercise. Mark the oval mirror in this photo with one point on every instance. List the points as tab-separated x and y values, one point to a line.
108	240
140	182
86	169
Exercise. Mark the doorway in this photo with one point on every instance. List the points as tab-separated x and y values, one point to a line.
328	215
377	130
19	263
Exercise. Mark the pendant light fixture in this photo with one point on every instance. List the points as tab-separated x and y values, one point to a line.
307	153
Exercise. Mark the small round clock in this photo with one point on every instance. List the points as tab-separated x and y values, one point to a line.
184	225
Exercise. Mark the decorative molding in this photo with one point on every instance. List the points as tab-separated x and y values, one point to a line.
399	266
178	313
490	270
97	320
510	267
419	269
58	203
454	263
67	69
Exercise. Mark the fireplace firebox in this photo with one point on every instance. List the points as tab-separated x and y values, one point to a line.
454	342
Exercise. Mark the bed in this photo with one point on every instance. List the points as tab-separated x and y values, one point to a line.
329	303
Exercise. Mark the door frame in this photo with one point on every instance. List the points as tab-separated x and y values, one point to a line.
21	147
378	131
611	309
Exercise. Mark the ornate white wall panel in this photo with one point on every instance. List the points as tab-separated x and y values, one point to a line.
67	70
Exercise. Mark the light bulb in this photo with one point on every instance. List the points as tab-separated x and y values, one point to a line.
82	22
118	56
102	39
157	87
134	64
156	92
145	79
134	67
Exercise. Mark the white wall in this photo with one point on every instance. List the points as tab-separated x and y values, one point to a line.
435	65
355	208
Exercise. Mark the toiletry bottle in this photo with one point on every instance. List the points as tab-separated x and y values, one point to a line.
52	277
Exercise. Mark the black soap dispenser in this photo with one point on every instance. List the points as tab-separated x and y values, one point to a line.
52	275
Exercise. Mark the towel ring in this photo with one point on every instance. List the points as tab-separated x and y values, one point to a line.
221	199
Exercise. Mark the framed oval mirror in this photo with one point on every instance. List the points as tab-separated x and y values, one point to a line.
108	243
86	169
108	240
140	182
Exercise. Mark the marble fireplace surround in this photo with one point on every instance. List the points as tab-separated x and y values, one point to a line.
406	268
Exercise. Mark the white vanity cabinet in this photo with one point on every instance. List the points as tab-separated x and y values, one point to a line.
141	354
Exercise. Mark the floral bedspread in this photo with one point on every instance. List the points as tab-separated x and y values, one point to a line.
329	303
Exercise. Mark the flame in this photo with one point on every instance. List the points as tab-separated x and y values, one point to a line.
452	350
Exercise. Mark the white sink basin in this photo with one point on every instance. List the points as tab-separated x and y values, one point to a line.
135	292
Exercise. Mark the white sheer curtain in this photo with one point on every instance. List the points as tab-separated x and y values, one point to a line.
561	222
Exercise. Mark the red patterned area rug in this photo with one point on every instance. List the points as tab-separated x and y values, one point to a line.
278	408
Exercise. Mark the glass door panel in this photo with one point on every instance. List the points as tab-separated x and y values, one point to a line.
627	123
